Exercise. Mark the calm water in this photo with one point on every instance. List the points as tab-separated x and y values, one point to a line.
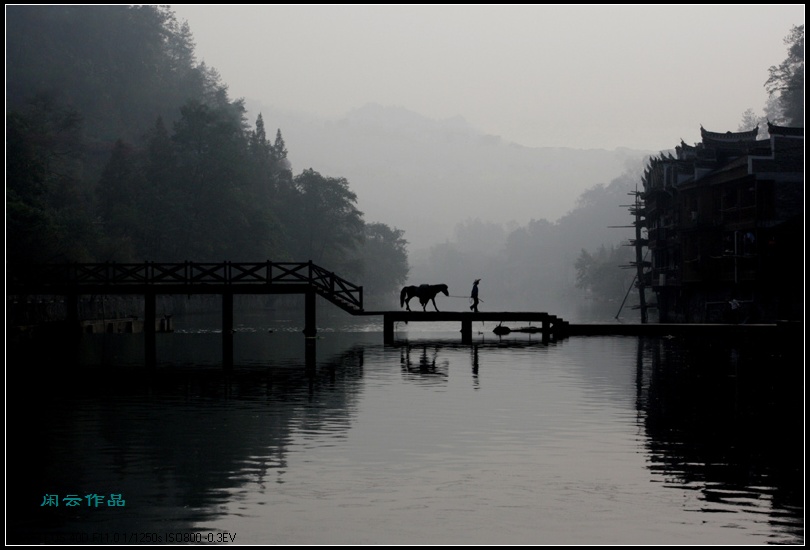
342	440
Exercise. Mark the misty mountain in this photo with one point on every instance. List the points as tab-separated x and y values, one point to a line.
472	205
426	176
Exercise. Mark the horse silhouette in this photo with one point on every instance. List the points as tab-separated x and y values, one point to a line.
425	293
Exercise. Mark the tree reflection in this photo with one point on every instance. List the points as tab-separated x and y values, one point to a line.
168	439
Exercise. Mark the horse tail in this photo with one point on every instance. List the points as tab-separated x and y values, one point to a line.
402	296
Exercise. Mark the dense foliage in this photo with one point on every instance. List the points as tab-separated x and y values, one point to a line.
786	80
122	148
785	87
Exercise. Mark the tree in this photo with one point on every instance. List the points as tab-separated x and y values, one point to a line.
750	119
162	204
385	259
326	226
118	188
119	68
599	274
100	181
265	190
260	148
279	148
211	151
46	206
787	79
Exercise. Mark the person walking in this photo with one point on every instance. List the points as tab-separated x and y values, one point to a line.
474	296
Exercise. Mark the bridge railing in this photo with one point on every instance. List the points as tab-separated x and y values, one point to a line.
41	277
337	289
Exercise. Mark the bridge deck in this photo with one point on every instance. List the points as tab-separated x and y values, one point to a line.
524	316
549	324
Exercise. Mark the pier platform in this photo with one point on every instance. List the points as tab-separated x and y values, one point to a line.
549	325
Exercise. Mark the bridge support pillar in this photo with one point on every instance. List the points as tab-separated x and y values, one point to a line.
388	330
546	329
227	330
149	339
466	330
310	327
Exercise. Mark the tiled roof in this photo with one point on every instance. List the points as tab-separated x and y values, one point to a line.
750	135
773	129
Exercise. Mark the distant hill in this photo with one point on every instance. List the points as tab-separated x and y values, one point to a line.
425	176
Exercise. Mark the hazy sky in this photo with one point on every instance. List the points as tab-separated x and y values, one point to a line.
582	76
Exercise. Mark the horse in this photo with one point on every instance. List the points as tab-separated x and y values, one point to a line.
425	293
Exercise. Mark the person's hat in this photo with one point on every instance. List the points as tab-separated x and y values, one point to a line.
477	281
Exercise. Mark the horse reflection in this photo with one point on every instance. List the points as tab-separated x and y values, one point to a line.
425	365
425	293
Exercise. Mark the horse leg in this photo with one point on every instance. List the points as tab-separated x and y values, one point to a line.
434	303
407	304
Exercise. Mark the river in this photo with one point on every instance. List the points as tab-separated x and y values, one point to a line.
344	440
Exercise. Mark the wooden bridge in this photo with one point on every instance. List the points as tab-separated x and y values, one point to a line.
151	279
227	279
549	325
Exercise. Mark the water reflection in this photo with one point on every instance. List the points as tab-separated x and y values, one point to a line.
726	421
177	440
475	366
194	447
424	363
422	359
